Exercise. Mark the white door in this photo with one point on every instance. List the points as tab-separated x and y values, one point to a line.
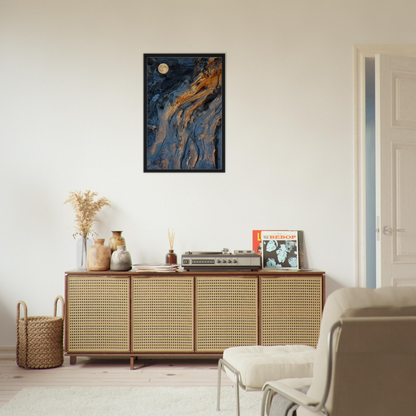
396	170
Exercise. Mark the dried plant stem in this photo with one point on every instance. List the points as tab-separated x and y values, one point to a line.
171	236
85	210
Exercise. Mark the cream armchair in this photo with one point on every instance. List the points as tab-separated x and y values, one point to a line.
365	362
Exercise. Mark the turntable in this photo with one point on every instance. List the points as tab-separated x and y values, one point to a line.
240	260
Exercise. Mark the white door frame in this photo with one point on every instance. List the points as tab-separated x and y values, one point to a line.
360	53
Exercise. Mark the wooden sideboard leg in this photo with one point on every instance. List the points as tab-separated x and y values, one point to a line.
72	359
131	363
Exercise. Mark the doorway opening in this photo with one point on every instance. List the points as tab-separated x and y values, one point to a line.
364	228
370	171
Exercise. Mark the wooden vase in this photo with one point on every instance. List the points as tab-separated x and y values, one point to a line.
98	256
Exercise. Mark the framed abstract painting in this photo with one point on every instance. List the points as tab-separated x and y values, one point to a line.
184	112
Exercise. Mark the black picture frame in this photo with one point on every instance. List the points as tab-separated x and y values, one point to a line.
184	112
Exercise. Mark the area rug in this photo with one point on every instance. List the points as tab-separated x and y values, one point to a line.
131	401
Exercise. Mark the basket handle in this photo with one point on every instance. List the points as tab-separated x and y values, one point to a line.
21	302
56	306
24	340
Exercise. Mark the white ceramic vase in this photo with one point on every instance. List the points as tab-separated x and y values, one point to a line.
121	259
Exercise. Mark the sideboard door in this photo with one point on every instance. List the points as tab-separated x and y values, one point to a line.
162	314
98	314
291	309
226	312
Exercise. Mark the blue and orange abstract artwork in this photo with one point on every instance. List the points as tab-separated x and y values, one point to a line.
184	113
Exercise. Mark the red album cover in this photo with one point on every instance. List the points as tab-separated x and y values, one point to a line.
257	241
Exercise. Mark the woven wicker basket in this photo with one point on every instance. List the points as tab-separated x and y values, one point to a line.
40	338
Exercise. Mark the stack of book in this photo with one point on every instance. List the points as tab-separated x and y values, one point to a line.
155	267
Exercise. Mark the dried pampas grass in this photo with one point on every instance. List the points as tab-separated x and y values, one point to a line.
85	210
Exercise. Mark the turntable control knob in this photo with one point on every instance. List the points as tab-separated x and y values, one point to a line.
225	250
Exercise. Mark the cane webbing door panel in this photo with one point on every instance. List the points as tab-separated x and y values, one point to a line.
162	314
226	312
291	309
98	310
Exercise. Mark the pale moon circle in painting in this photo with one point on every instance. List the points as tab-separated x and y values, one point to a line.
163	68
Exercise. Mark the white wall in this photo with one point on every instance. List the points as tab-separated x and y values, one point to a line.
71	118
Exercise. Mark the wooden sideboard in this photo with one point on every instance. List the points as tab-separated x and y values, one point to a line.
189	313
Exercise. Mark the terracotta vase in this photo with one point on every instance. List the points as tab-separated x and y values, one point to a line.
121	259
171	258
116	240
98	256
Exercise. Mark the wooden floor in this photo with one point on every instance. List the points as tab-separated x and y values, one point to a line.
109	372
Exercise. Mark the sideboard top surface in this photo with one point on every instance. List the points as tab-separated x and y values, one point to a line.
262	272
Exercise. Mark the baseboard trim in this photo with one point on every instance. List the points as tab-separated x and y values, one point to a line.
7	352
